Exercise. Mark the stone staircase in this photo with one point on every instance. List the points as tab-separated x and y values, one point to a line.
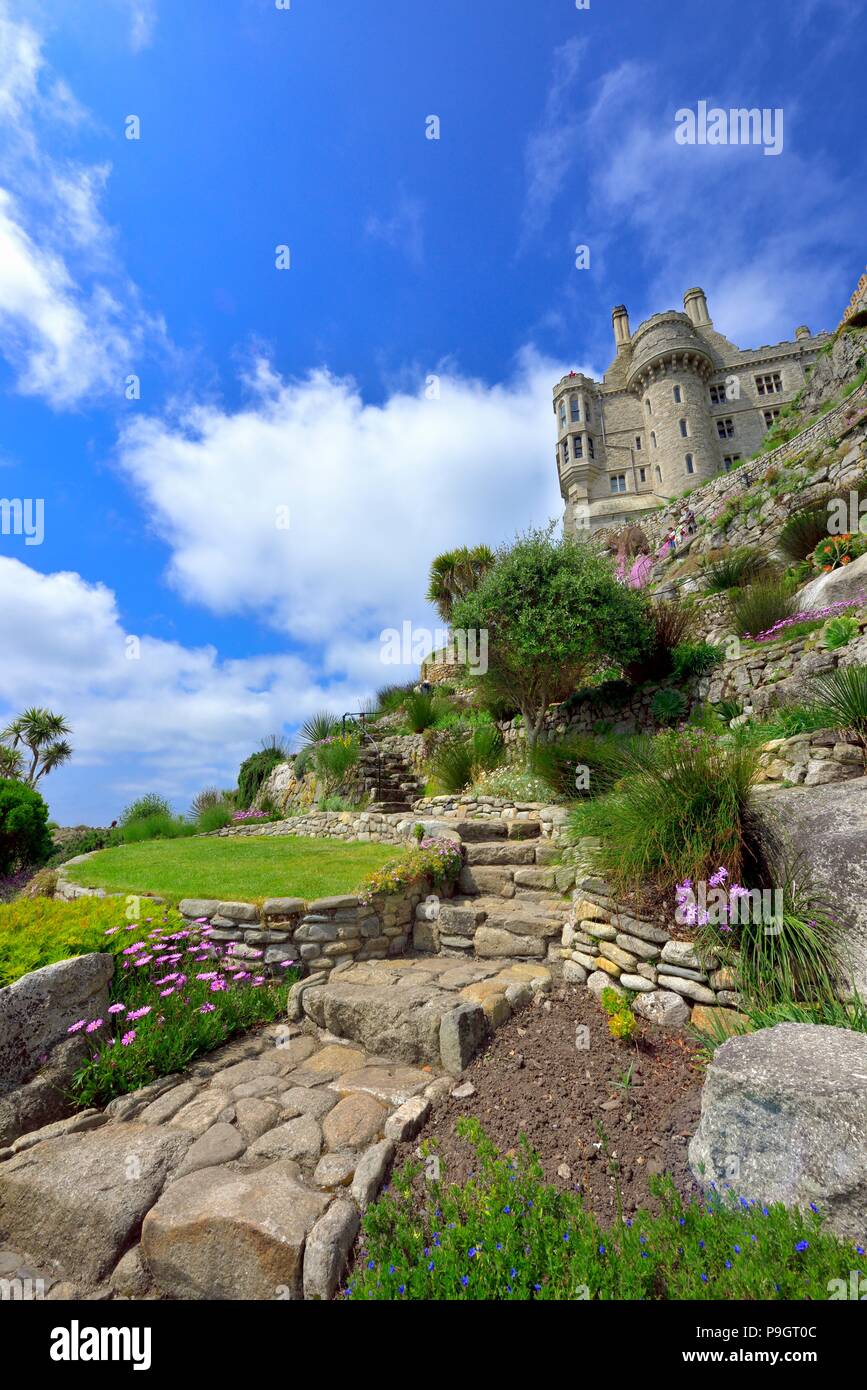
478	957
391	783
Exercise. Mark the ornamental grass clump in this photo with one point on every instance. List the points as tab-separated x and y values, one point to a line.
506	1235
679	809
175	994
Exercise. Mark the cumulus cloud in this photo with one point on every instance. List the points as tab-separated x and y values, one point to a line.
372	493
71	324
145	713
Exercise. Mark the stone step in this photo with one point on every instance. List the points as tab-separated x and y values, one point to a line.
389	808
501	852
476	831
487	879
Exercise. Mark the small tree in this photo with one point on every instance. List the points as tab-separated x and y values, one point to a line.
42	734
25	840
550	607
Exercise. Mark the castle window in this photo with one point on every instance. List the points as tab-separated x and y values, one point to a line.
617	482
565	451
730	460
769	384
678	395
690	465
575	409
771	416
658	474
577	446
725	428
684	428
638	441
642	475
591	449
588	411
653	438
562	415
718	395
649	406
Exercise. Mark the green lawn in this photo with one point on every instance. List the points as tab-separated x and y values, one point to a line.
234	868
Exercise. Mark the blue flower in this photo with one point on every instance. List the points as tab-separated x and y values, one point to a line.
430	1266
728	1264
507	1211
602	1250
465	1279
513	1273
737	1249
704	1278
802	1245
814	1208
371	1264
402	1288
566	1237
472	1252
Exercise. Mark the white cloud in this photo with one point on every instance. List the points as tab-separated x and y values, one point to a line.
143	21
71	325
174	719
373	492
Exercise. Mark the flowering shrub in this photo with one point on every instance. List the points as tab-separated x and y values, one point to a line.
439	861
835	551
175	994
251	815
506	1235
818	615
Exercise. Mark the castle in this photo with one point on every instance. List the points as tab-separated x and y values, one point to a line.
679	404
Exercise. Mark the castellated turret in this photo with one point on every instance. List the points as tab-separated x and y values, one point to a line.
679	404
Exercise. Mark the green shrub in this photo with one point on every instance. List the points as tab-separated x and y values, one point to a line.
558	764
254	771
204	801
840	631
668	705
789	720
507	1236
335	759
761	605
673	623
391	697
694	658
679	811
214	818
25	840
156	827
802	532
85	843
512	781
151	804
460	759
734	570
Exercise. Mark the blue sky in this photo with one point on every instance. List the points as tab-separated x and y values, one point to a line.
168	612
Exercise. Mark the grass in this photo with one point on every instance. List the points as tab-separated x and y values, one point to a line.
39	931
233	868
505	1235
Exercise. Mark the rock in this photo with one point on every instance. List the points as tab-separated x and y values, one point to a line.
79	1200
299	1139
400	1023
219	1234
327	1249
75	1124
464	1091
637	983
254	1117
492	943
295	998
824	830
690	988
39	1008
662	1007
407	1120
301	1100
46	1098
624	959
573	973
584	910
371	1171
392	1084
200	1113
229	1077
644	950
684	953
786	1107
597	982
195	908
291	1052
219	1144
335	1170
336	1059
846	583
711	1020
166	1106
130	1279
462	1032
354	1122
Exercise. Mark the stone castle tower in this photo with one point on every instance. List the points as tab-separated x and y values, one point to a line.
678	405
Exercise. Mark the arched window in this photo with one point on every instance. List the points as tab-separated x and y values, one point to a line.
653	438
562	415
678	395
649	406
658	474
684	429
690	466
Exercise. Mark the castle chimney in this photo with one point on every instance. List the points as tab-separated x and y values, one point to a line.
695	306
620	322
803	332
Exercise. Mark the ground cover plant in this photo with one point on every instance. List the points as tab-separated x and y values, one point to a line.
506	1235
175	994
248	869
39	931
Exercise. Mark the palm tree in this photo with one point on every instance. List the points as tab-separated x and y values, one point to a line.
455	574
11	763
42	733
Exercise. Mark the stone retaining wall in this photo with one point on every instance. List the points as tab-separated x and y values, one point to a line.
604	946
811	759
